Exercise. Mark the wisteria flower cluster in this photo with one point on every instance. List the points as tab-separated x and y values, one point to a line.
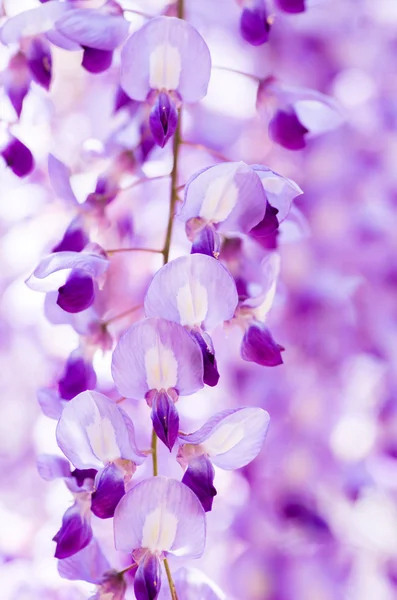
212	248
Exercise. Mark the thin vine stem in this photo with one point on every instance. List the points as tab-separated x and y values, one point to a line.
238	72
118	250
171	583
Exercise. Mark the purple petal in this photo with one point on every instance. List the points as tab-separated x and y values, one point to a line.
280	191
93	29
254	24
94	431
39	59
123	100
96	61
18	157
109	489
74	534
286	129
78	293
59	176
192	290
78	377
147	142
17	80
232	438
165	419
75	238
57	39
32	22
259	347
166	54
199	477
52	467
92	264
157	354
229	194
50	403
161	515
295	510
87	565
147	580
80	476
207	241
211	375
291	6
267	226
163	119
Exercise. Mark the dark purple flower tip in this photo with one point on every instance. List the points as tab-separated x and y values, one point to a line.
18	157
259	347
147	582
17	81
163	119
105	192
17	95
199	477
77	377
211	375
81	475
254	25
146	144
122	100
296	511
165	419
96	61
75	240
109	491
74	535
207	241
40	61
292	6
268	225
78	292
286	129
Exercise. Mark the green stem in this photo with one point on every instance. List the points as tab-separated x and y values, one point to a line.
118	250
174	189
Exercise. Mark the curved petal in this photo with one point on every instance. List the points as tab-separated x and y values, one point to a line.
166	54
18	157
32	22
161	515
93	264
59	175
92	432
77	293
50	403
39	60
258	346
192	290
52	467
254	24
96	61
87	565
199	477
147	582
88	27
230	195
165	419
234	440
74	535
109	489
279	190
77	377
286	129
157	354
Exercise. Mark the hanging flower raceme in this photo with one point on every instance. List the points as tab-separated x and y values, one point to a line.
84	271
157	518
98	438
197	292
166	62
158	360
255	22
224	198
97	31
297	113
230	440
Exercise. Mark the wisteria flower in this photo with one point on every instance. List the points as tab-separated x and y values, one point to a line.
18	157
157	518
83	271
197	292
230	440
158	360
298	112
166	62
255	22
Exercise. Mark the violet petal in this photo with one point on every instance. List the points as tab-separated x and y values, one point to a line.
78	293
259	347
78	376
165	419
147	580
18	157
108	493
89	564
199	477
74	534
96	61
211	375
286	129
254	25
163	119
39	60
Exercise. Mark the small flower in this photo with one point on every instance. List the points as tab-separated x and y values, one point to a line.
255	22
18	157
166	62
157	518
78	376
158	360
